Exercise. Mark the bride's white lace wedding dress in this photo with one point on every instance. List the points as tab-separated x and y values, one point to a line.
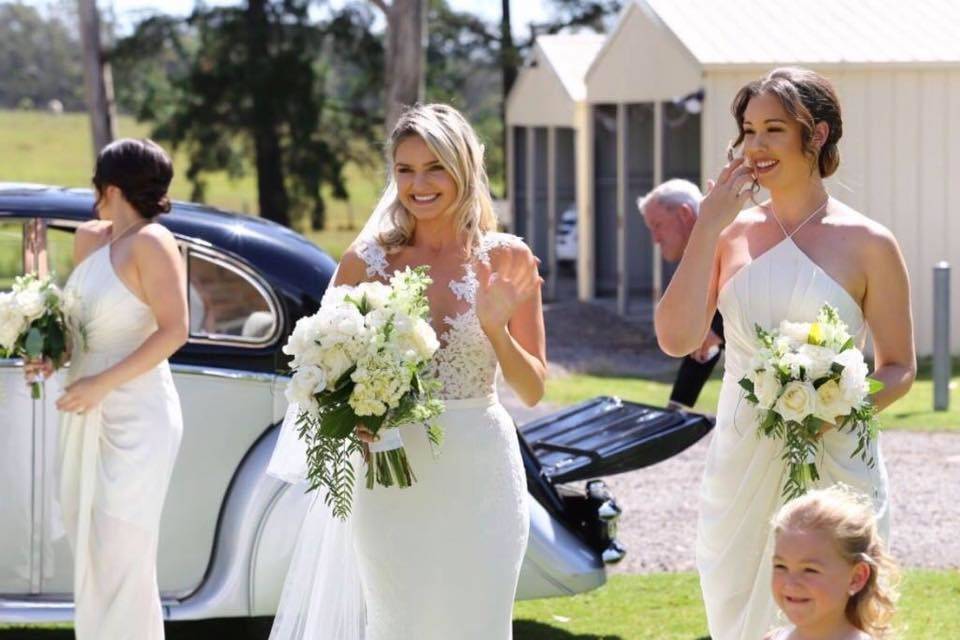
437	560
744	475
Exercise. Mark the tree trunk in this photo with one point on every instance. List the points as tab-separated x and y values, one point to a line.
405	56
509	62
98	81
272	196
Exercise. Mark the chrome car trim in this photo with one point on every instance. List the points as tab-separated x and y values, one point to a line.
217	372
37	500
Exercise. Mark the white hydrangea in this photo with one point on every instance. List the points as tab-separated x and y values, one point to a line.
380	382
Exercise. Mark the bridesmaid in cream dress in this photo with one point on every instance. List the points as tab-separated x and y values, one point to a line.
120	414
781	259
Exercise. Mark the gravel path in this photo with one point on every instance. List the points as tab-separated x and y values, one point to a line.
658	527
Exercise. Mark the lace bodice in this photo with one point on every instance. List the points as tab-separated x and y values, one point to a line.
466	363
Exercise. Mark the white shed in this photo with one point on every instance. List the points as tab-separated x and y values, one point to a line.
545	113
896	66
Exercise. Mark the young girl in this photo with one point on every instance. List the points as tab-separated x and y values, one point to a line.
832	577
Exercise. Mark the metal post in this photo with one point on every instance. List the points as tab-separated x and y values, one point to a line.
551	289
941	336
657	288
623	264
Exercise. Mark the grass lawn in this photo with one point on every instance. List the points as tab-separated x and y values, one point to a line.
913	411
668	605
659	606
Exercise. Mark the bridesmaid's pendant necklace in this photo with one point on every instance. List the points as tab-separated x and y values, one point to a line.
810	217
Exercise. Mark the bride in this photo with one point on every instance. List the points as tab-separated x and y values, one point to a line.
781	259
440	559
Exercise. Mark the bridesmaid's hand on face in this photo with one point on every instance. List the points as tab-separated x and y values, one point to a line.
82	395
35	370
726	195
500	292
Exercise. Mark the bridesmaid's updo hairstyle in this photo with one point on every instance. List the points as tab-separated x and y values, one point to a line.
847	518
809	98
141	169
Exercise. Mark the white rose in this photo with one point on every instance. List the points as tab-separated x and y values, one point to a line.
32	303
426	339
305	384
831	403
335	362
798	332
819	360
12	321
766	387
797	401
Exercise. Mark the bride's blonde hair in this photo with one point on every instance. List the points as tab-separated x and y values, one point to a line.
847	517
451	138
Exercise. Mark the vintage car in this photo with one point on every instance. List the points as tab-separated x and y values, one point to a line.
228	529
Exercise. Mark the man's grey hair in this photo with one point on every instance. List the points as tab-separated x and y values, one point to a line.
673	193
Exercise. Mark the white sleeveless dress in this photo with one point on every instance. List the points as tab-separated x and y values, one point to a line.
440	559
744	475
116	461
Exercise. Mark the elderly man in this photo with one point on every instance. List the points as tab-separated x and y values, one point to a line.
669	212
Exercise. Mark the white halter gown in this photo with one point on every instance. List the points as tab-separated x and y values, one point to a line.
744	475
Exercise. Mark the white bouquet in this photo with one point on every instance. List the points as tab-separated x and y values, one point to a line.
34	322
806	377
362	360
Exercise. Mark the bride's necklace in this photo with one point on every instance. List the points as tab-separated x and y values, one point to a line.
810	217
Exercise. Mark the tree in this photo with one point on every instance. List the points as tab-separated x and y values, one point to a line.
40	58
405	54
97	78
262	84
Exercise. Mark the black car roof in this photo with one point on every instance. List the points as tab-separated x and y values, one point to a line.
285	257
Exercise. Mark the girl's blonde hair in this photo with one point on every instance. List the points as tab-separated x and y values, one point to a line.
451	138
847	517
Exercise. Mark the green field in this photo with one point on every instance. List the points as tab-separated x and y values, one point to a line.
43	148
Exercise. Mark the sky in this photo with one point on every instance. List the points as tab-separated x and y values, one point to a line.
522	11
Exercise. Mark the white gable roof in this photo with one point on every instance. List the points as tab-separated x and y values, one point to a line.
814	32
570	55
547	90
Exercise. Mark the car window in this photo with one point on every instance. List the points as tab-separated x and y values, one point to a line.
225	303
60	253
11	252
